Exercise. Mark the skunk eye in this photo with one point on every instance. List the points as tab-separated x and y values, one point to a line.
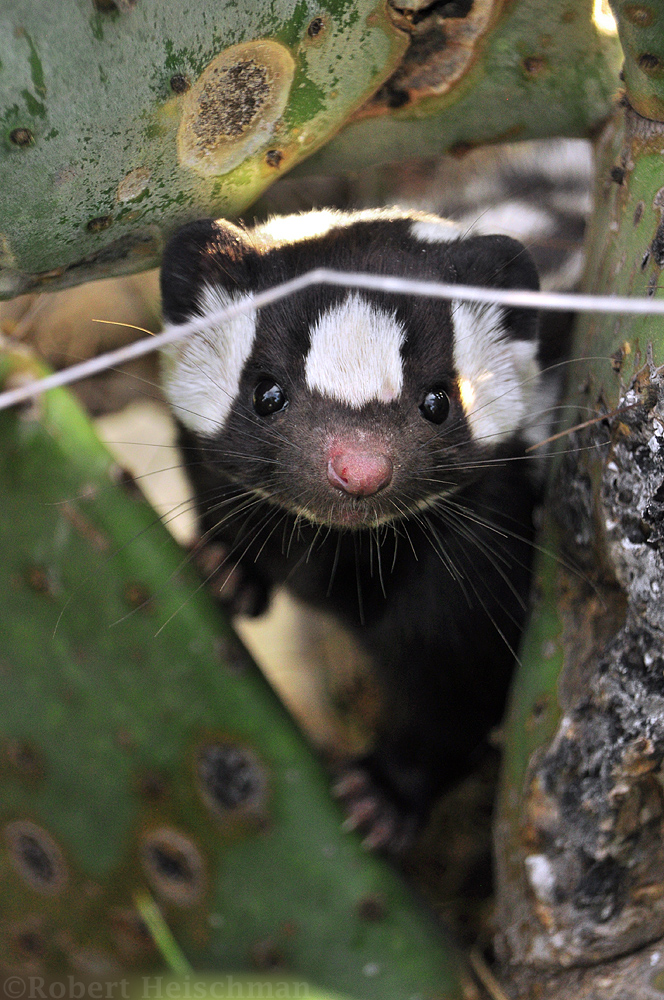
269	397
435	406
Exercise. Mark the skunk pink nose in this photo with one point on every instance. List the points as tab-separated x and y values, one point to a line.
359	473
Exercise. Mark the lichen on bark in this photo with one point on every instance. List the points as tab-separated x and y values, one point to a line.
579	834
590	841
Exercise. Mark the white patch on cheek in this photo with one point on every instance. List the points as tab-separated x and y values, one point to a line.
355	354
498	376
201	375
467	393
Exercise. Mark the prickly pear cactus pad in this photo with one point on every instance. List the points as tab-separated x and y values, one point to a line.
486	71
142	753
641	27
121	120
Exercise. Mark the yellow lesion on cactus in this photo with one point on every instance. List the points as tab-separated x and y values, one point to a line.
232	109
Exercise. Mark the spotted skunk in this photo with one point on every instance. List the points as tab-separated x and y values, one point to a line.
364	450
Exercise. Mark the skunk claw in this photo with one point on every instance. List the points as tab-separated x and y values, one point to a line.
371	813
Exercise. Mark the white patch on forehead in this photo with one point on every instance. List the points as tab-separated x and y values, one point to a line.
498	376
433	230
355	354
201	375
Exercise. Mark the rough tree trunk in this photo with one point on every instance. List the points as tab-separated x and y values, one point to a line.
579	831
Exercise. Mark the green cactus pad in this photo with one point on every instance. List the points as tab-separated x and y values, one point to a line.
142	752
120	122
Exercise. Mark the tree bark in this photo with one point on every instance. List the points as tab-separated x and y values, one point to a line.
579	829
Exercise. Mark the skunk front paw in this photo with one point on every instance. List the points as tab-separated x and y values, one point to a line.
237	589
382	824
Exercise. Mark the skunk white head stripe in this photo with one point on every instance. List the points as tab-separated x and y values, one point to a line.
300	226
355	354
498	376
201	374
309	225
430	229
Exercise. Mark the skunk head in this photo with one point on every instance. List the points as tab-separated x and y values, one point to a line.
349	408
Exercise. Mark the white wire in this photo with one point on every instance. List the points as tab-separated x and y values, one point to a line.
557	301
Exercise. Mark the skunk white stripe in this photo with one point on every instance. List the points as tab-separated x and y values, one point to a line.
355	354
308	225
498	376
200	376
429	229
293	228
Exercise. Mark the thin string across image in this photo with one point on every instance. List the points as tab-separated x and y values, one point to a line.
515	298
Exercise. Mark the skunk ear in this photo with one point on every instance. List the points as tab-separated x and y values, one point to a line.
203	253
499	262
